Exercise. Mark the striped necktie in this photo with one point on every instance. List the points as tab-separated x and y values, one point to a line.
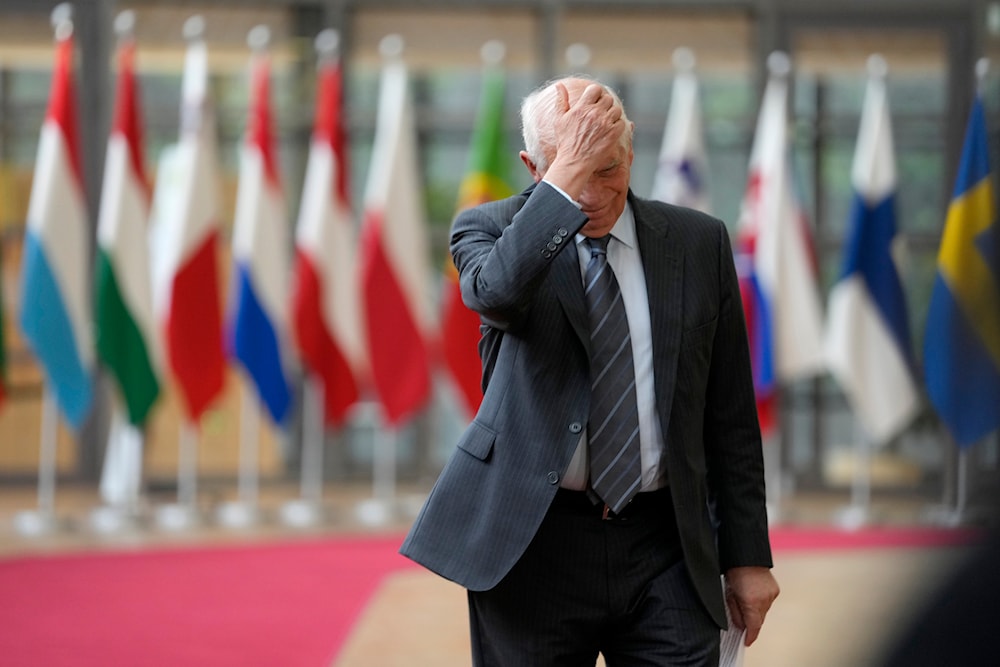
613	429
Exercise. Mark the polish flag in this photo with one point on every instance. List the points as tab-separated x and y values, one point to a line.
186	271
326	316
395	271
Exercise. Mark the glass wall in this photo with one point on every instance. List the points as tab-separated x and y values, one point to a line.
630	46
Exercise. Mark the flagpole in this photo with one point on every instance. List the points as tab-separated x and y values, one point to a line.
243	511
122	470
43	520
381	507
858	512
312	449
307	509
184	513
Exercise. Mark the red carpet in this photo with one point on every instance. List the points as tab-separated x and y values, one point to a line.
286	605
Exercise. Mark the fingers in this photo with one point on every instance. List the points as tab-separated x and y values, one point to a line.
563	94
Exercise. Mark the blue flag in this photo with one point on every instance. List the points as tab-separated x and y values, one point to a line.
962	342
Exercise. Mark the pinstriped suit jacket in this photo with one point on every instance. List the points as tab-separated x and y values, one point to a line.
498	484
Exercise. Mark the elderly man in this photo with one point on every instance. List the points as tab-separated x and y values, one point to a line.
614	469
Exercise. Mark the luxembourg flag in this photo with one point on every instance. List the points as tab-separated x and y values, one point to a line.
258	324
55	272
326	315
868	334
682	168
126	329
775	258
395	270
186	274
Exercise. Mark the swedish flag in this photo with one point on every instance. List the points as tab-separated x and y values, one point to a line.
962	342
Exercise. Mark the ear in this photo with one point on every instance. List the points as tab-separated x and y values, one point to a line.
532	168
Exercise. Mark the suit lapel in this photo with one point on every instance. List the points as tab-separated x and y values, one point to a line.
662	264
568	284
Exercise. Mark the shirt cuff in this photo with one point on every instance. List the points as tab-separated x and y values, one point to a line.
562	192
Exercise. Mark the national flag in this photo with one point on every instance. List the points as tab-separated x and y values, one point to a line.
962	338
3	346
682	168
394	268
261	255
775	258
326	317
487	179
125	325
868	334
186	273
55	271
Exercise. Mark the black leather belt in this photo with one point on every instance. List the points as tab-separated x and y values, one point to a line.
646	504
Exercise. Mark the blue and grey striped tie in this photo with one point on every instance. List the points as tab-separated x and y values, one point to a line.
613	429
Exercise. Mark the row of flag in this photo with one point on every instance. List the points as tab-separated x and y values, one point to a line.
354	323
154	305
864	339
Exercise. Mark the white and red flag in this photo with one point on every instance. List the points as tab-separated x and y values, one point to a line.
186	270
395	268
326	316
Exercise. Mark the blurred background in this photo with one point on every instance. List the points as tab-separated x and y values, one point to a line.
930	46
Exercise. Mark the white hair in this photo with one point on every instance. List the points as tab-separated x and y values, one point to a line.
538	114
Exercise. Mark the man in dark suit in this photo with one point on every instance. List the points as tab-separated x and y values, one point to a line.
558	566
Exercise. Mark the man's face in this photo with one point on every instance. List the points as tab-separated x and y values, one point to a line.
603	200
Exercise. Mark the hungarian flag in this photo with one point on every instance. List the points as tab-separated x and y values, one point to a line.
55	270
394	268
485	180
125	325
775	258
258	318
326	317
186	278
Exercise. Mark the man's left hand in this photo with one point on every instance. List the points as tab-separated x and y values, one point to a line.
749	594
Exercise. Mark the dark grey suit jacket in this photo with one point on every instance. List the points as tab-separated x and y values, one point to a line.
520	271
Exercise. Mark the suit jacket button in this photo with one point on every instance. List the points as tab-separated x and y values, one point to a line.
546	254
562	231
575	427
553	477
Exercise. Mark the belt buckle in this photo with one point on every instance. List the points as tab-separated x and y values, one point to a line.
605	512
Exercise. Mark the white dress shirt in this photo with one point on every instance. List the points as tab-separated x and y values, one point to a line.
626	262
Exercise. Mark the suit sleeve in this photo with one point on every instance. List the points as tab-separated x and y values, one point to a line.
732	433
503	251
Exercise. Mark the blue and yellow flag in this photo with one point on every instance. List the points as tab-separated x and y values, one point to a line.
962	342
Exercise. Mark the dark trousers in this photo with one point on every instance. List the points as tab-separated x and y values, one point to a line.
589	585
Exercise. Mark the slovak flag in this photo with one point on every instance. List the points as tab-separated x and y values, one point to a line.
186	293
395	269
775	258
259	336
682	168
868	334
326	316
56	315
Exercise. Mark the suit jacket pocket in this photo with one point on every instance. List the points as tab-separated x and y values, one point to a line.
477	440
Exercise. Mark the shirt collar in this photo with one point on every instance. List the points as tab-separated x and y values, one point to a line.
624	229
